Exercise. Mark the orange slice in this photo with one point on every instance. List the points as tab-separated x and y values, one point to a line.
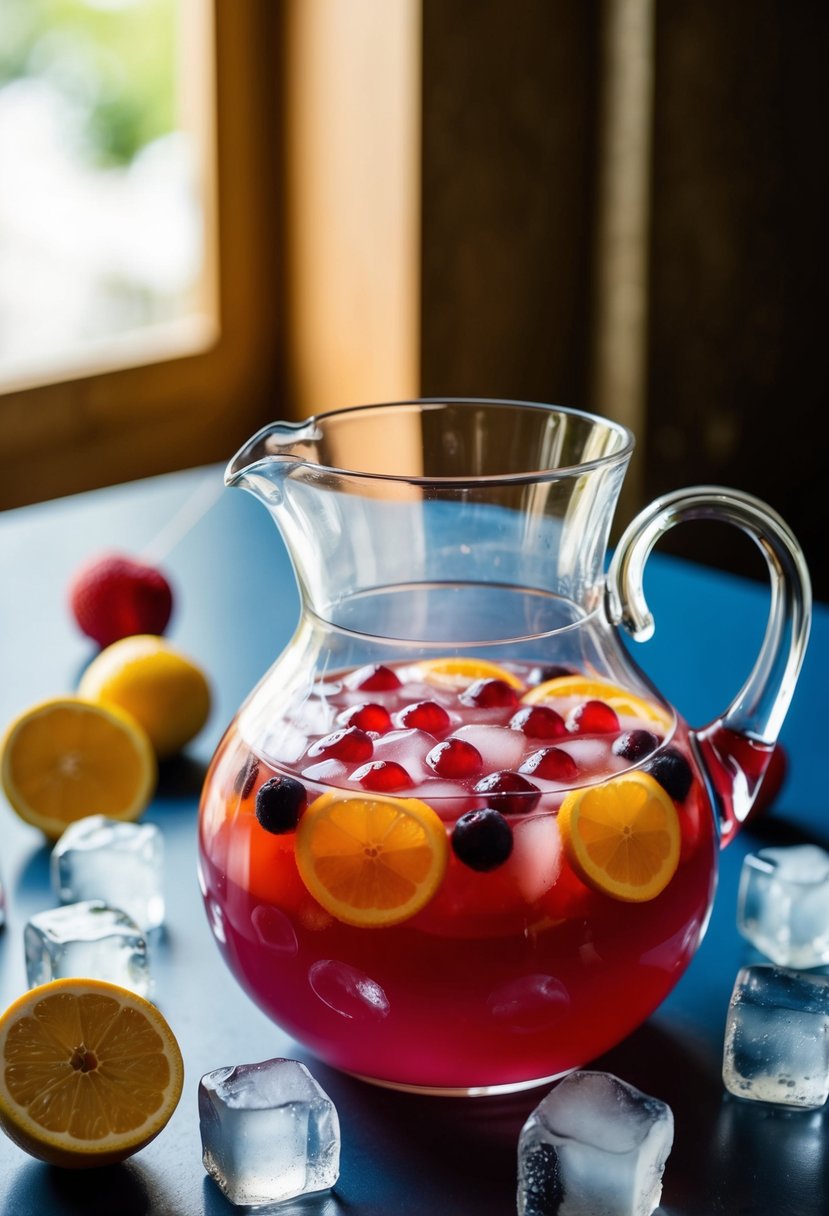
67	757
371	861
620	699
622	837
91	1073
458	672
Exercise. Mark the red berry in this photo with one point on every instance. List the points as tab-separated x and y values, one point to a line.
593	718
115	596
368	716
489	694
382	776
374	678
538	721
551	763
508	792
348	744
455	758
425	715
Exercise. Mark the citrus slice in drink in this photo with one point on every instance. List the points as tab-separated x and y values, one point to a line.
459	672
622	837
371	861
67	757
621	699
91	1072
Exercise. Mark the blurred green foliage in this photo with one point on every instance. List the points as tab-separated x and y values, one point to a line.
113	63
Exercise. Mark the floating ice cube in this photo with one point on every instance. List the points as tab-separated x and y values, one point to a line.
591	755
120	863
783	904
268	1132
595	1146
500	747
409	748
88	939
777	1037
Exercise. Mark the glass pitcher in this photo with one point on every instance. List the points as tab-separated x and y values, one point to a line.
455	841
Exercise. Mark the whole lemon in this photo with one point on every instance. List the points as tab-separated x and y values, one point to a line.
154	682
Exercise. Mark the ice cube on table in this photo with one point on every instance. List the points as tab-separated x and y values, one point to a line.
86	939
783	904
268	1132
777	1037
595	1146
120	863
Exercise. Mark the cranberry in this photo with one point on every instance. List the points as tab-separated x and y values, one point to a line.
551	763
375	678
455	758
508	792
593	718
279	804
672	771
246	777
482	839
368	716
538	721
552	671
425	715
489	694
351	743
635	744
382	776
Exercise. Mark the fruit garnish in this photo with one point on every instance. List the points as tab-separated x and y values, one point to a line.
368	716
371	861
672	771
455	758
66	758
385	776
91	1072
508	792
489	694
538	722
279	804
149	678
593	718
622	837
621	699
374	678
482	839
350	743
458	673
114	596
424	715
551	764
635	744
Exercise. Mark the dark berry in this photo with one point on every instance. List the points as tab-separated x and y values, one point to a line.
351	743
489	694
551	763
246	777
508	792
672	771
482	839
593	718
279	804
553	671
375	678
455	758
539	722
635	744
425	715
368	716
382	776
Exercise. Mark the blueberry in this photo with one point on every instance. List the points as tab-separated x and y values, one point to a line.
635	744
482	839
672	771
279	804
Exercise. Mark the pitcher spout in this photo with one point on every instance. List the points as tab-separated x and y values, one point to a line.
262	461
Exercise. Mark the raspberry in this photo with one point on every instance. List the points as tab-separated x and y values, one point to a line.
115	596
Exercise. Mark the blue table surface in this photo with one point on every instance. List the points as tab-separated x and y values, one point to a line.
236	606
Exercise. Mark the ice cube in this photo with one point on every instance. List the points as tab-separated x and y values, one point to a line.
88	939
500	747
268	1132
783	904
409	748
595	1145
120	863
777	1037
593	756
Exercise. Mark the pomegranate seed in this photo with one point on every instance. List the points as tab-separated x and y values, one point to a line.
551	763
538	721
374	678
382	776
508	792
348	744
489	694
635	744
455	758
593	718
425	715
368	716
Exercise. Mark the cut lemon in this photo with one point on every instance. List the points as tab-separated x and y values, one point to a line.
66	758
91	1072
458	673
622	837
620	699
371	861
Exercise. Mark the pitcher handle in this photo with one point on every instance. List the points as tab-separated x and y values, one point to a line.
734	749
